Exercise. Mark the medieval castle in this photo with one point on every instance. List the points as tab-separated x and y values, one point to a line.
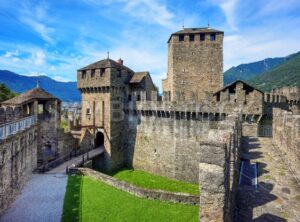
192	132
121	108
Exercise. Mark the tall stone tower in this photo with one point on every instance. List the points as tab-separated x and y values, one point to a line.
195	64
103	89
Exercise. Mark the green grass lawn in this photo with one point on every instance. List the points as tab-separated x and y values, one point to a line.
150	181
89	200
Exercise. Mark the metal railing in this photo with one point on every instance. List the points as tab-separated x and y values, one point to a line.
14	127
62	159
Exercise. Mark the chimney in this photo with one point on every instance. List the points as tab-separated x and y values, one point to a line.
120	61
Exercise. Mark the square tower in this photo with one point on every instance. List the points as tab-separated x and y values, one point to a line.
195	64
103	86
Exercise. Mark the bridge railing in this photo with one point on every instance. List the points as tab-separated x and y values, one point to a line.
14	127
60	160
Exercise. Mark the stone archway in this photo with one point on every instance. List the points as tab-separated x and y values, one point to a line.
99	140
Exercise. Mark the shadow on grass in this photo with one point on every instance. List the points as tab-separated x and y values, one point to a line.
72	202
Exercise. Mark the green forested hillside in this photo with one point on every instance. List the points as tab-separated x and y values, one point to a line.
286	74
251	70
5	93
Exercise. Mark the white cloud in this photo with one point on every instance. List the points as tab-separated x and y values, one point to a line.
275	6
35	73
250	47
229	9
36	17
60	78
150	11
44	31
15	59
10	54
39	58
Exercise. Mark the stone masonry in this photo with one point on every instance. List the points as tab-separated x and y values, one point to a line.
286	135
18	160
195	56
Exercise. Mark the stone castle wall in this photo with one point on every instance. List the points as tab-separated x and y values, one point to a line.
181	147
166	145
18	159
286	135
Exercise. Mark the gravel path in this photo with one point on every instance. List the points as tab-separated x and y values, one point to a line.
42	198
40	201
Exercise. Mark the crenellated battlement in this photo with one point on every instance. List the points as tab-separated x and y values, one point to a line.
275	98
292	93
10	113
285	98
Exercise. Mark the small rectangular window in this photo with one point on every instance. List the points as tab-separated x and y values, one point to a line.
202	37
92	73
181	38
83	74
212	37
192	38
88	111
119	74
102	72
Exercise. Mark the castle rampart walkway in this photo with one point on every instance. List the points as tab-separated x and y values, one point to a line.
14	127
276	196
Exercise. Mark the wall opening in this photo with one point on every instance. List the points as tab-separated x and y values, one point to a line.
181	38
202	37
99	141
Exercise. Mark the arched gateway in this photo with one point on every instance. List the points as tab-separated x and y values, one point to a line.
99	141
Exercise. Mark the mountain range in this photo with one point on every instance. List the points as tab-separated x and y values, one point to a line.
265	75
66	91
285	74
268	73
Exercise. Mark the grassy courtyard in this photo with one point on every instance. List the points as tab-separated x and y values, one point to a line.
150	181
89	200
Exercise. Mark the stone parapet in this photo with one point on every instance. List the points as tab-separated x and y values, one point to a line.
218	172
18	160
286	135
10	113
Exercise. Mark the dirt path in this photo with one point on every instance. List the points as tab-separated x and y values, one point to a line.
277	197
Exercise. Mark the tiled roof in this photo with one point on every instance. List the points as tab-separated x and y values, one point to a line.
105	63
35	93
195	31
138	77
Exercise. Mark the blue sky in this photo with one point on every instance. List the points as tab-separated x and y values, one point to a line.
57	37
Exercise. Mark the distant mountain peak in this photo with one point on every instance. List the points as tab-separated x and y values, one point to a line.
66	91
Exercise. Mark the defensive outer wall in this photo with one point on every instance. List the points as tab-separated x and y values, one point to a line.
18	160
